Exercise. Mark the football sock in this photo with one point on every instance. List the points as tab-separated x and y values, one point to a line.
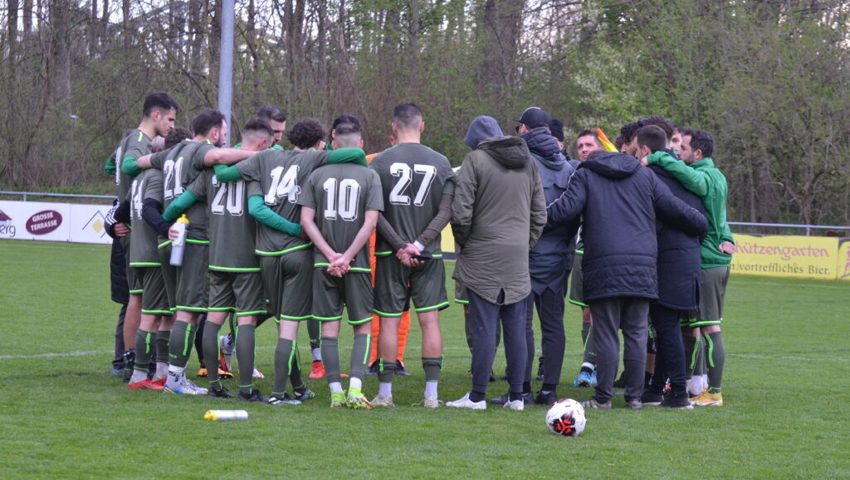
282	360
180	345
199	339
355	384
330	357
716	359
162	345
690	354
385	389
245	342
143	356
336	387
386	370
143	350
587	367
210	343
430	389
700	369
526	387
360	355
316	352
314	332
432	367
295	378
585	332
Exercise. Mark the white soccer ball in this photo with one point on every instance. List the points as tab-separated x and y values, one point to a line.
566	417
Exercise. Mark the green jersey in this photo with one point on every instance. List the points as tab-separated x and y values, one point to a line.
232	231
341	194
413	179
181	165
135	144
278	176
143	238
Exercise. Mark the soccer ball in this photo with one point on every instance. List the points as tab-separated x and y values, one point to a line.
566	417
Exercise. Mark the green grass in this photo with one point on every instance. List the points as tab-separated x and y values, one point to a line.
786	390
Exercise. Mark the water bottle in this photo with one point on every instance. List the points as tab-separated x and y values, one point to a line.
179	244
222	415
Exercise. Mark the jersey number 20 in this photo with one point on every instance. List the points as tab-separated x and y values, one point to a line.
233	192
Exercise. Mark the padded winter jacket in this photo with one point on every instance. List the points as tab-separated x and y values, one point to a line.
618	200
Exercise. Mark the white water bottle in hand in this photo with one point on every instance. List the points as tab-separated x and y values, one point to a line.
179	243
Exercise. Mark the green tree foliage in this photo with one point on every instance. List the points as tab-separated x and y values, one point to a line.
767	78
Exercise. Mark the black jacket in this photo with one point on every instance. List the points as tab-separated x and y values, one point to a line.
618	201
678	253
550	260
117	260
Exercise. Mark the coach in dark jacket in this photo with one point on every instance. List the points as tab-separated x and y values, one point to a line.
618	199
498	213
678	285
118	280
550	260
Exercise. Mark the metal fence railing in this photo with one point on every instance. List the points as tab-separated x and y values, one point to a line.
738	227
789	229
56	197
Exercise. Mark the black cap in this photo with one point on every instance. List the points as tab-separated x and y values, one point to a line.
534	117
557	129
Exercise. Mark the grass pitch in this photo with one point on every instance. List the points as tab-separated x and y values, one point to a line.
786	390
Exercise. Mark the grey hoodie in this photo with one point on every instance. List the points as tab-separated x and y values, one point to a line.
498	212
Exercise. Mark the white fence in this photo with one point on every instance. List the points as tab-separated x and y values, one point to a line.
54	221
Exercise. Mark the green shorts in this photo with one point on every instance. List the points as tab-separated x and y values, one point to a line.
396	284
712	291
154	298
576	282
169	273
192	292
354	290
288	284
240	292
134	284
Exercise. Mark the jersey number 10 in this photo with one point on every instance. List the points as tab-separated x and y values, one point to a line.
345	204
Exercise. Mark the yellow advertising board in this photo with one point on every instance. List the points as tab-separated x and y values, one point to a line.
842	268
786	256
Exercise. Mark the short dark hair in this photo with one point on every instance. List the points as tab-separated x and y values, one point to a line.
661	122
629	130
407	115
653	137
259	124
206	121
700	140
618	142
158	101
306	133
590	133
556	128
270	112
351	120
177	135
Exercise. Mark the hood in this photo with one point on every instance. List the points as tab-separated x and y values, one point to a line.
481	128
541	143
510	152
612	165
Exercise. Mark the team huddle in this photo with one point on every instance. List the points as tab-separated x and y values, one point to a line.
211	234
